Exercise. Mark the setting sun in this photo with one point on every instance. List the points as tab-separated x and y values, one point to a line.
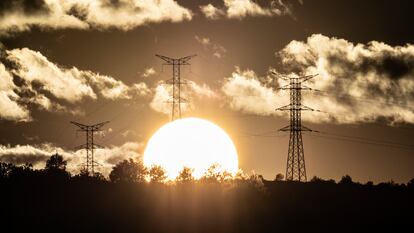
191	142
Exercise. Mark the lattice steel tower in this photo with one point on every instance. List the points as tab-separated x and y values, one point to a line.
176	82
295	167
90	145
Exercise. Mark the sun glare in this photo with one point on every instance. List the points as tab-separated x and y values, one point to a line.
191	142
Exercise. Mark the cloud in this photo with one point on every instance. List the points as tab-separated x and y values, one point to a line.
239	9
215	49
211	12
38	154
148	72
159	102
28	78
18	16
162	98
359	82
245	91
10	109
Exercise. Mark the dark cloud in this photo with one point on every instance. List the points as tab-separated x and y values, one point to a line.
19	16
18	159
29	7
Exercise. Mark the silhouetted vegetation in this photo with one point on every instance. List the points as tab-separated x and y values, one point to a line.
185	175
128	171
52	200
157	174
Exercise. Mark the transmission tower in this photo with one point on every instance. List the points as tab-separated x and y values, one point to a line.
90	145
176	82
295	167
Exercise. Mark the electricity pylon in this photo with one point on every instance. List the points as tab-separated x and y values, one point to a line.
90	145
176	82
295	167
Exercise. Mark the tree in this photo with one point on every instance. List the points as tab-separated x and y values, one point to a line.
55	168
215	174
316	179
56	162
212	174
410	184
185	175
22	172
346	179
5	170
128	171
279	177
157	174
85	176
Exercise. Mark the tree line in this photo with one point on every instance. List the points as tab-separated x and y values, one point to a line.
132	171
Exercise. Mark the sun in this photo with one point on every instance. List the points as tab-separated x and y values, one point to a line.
191	142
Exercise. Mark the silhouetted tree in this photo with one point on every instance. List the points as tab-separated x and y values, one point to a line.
55	168
84	176
410	184
128	171
5	170
185	175
214	174
157	174
369	183
240	176
257	181
316	179
279	177
211	175
346	179
56	162
24	172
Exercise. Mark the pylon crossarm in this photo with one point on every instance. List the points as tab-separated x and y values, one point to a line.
304	128
99	125
307	77
169	60
306	108
285	87
184	60
82	126
285	108
279	76
306	88
174	81
97	146
286	128
171	100
83	146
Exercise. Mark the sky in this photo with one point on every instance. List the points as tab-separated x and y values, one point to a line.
93	61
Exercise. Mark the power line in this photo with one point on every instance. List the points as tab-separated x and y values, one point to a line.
365	141
344	95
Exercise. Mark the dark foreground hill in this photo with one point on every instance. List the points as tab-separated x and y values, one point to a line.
88	205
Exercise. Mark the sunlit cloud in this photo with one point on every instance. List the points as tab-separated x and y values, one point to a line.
150	71
38	154
239	9
162	97
87	14
215	49
249	93
359	82
211	12
30	78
